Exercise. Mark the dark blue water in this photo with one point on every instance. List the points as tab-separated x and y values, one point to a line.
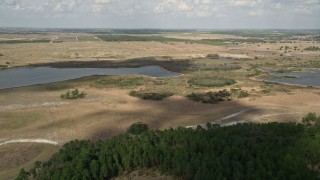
18	77
305	78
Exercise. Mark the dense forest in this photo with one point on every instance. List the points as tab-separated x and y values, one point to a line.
243	151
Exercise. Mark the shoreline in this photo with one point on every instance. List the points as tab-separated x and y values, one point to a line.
285	84
163	61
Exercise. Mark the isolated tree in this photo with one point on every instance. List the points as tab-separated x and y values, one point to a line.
22	175
138	128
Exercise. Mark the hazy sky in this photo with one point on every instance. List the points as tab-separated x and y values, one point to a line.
194	14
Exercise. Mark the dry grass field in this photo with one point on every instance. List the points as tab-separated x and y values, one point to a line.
38	112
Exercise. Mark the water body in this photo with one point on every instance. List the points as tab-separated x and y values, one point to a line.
223	59
304	78
18	77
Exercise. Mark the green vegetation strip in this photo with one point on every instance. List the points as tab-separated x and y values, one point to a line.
211	81
242	151
115	81
24	41
215	42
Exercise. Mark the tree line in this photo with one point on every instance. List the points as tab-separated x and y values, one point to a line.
243	151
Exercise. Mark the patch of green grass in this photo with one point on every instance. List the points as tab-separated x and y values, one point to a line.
157	96
214	42
210	97
88	38
24	41
115	81
211	81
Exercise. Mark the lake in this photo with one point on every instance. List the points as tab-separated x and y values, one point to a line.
18	77
304	78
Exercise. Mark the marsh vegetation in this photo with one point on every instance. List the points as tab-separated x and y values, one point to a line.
211	81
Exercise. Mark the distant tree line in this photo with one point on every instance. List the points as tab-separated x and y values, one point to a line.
24	41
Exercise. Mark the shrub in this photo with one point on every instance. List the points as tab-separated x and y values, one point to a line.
312	48
243	94
210	97
151	96
22	174
138	128
311	118
74	94
3	66
1	54
208	81
213	56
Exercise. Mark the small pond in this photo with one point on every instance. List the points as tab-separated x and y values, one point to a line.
223	59
18	77
306	77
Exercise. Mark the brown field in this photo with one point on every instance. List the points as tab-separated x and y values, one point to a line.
38	111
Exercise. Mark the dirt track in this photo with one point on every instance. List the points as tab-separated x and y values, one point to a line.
44	141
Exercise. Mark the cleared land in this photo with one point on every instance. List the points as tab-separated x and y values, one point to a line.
108	109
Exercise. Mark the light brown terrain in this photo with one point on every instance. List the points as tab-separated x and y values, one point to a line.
73	49
36	112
